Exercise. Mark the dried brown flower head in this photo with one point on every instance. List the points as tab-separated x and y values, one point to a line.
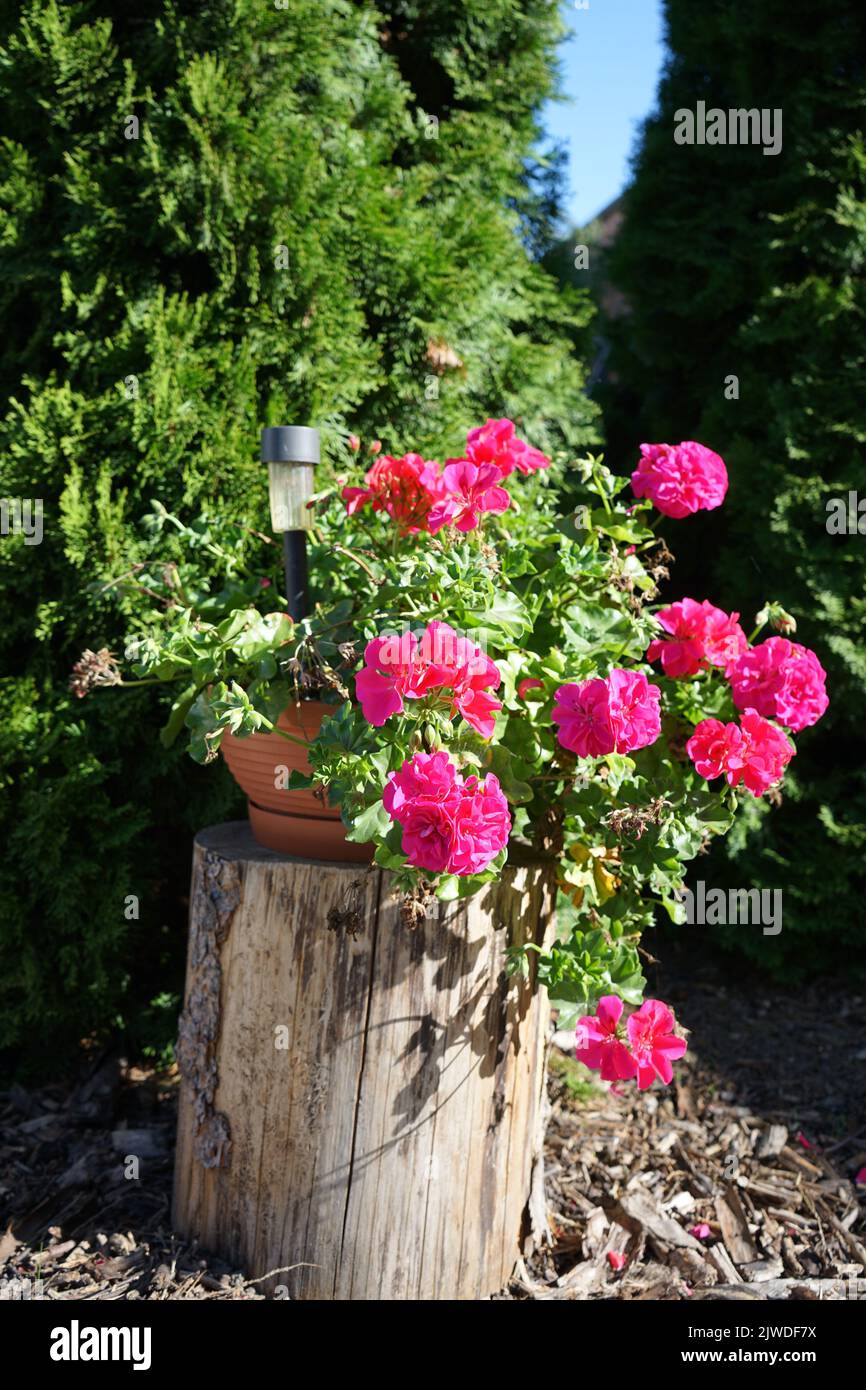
634	820
415	906
93	669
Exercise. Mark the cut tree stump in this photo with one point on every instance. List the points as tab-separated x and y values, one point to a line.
361	1099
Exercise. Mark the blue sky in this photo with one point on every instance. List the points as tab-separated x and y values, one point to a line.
610	68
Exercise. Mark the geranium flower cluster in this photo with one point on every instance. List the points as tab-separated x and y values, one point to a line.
406	488
700	635
754	752
410	666
496	442
419	496
680	478
450	824
616	715
456	824
781	680
643	1048
467	490
776	679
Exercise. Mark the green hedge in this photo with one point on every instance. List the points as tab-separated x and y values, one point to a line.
326	214
736	262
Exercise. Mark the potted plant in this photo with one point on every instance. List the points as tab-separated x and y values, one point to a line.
494	676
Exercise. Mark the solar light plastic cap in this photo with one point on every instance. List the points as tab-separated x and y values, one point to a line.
290	444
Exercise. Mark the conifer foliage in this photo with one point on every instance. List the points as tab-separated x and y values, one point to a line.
215	215
737	263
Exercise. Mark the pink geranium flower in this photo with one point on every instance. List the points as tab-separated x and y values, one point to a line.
654	1044
768	752
481	825
406	488
423	796
634	707
395	670
469	490
717	749
680	478
600	1043
410	667
616	1260
781	680
755	753
471	675
700	1232
472	679
644	1048
617	715
425	777
496	442
582	713
450	825
700	635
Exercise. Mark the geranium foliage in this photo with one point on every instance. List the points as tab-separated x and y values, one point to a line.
506	684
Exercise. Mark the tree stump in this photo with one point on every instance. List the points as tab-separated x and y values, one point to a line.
362	1099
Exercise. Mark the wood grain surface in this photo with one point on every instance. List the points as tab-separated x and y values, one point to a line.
367	1108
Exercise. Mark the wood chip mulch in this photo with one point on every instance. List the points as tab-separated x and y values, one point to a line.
759	1140
77	1224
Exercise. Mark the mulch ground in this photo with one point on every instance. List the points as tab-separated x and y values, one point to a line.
759	1140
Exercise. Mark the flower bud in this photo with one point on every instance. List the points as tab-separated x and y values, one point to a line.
781	621
430	737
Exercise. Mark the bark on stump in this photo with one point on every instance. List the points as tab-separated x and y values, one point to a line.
368	1107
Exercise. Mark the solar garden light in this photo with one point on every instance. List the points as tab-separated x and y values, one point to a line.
291	453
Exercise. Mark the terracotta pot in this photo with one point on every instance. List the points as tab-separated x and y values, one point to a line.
292	822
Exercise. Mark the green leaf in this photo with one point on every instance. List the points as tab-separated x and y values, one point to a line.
177	718
205	726
234	625
506	614
370	824
620	768
618	528
448	888
387	858
501	762
262	635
